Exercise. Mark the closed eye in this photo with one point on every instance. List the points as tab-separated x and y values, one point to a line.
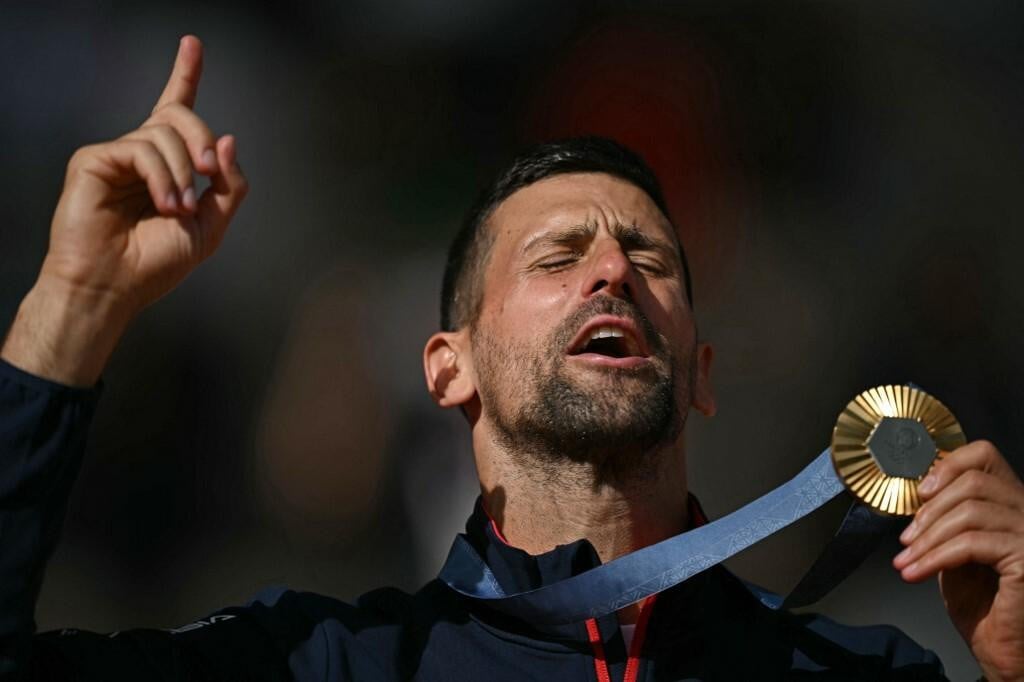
560	260
648	265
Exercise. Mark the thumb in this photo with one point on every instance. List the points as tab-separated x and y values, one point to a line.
222	198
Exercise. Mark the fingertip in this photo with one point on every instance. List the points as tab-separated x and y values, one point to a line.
170	205
190	41
188	199
928	485
908	533
900	565
190	57
208	160
911	573
227	146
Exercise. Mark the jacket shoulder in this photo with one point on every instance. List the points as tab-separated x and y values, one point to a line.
822	646
886	645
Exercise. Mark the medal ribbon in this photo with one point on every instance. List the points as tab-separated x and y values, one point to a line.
637	575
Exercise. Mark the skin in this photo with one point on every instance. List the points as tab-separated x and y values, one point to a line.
129	227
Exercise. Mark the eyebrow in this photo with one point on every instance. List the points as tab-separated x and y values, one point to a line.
567	235
629	236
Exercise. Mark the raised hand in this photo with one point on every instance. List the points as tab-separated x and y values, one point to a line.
129	222
128	228
970	532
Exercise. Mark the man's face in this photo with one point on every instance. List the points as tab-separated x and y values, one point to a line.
585	345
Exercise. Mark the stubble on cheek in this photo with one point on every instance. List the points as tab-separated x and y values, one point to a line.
545	410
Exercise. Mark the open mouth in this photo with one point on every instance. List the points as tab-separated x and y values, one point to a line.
608	341
611	337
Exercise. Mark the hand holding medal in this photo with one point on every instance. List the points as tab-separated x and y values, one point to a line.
969	532
900	451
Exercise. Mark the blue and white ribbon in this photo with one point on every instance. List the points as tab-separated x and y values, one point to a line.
635	576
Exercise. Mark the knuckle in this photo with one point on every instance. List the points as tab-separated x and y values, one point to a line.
970	539
161	130
169	109
79	158
974	481
986	447
131	142
159	113
200	132
972	509
145	147
183	117
182	121
182	174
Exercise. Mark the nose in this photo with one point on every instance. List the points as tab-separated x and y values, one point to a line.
611	272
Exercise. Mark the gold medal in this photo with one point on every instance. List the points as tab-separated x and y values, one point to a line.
886	440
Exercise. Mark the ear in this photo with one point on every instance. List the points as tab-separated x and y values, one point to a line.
703	395
448	369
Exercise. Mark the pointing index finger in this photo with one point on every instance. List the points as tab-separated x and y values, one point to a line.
184	81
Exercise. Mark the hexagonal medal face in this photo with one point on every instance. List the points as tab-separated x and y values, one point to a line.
902	447
886	439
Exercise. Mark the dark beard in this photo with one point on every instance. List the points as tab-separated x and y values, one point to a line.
611	422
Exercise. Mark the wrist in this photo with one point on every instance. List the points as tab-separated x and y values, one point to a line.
65	333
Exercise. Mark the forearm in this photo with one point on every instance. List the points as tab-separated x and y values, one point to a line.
64	333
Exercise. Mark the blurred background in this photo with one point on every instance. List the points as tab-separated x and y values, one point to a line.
845	176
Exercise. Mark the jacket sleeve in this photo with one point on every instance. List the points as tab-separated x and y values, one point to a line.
268	640
43	428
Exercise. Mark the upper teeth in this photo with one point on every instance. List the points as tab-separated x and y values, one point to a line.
605	332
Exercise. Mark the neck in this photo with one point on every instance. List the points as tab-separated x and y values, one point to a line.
540	507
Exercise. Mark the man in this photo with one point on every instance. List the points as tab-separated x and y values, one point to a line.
569	344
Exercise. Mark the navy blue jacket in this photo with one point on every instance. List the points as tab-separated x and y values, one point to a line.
709	628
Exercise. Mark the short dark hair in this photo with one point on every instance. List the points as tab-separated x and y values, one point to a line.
462	287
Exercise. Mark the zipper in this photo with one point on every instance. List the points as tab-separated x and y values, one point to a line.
597	644
594	633
635	647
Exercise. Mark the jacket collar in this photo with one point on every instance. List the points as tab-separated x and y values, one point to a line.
519	571
515	569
